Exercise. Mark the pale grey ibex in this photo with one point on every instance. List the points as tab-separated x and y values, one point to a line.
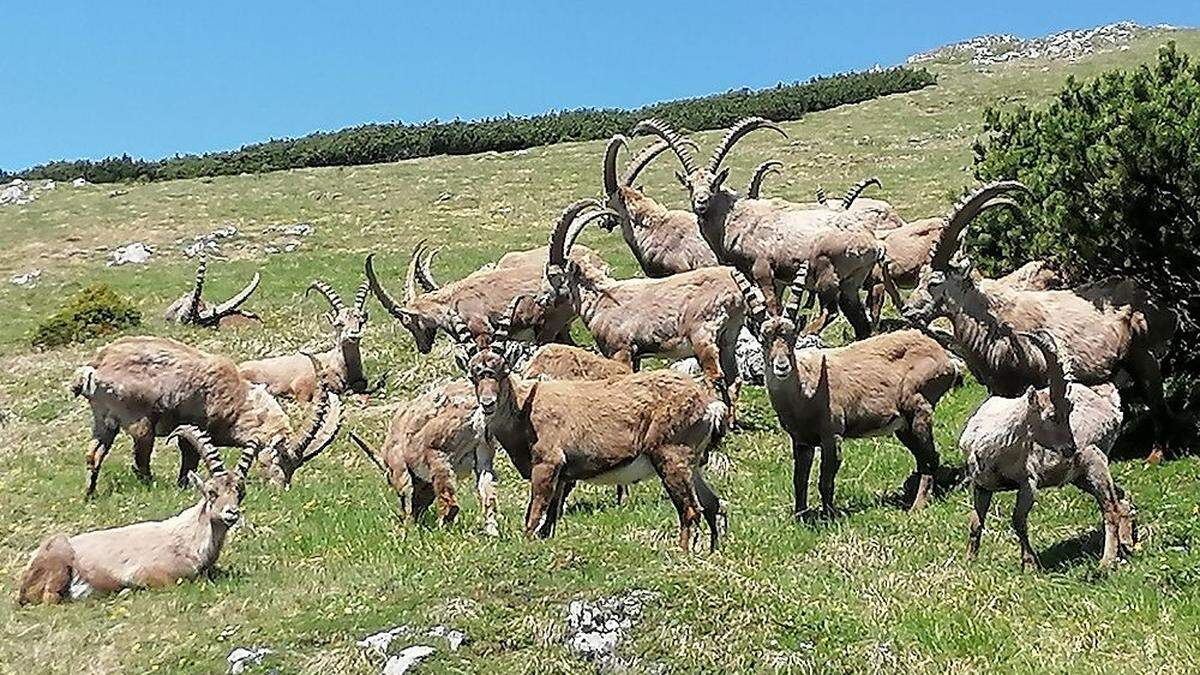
150	385
1046	438
150	554
193	309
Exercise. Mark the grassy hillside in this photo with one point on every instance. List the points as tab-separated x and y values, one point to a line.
324	564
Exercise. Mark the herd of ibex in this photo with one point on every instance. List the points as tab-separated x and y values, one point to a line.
1052	358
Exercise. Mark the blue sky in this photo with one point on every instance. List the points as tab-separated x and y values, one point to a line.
91	79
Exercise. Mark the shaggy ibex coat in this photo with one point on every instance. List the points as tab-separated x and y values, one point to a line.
150	385
192	308
1103	328
1045	438
610	432
294	375
664	241
146	555
887	384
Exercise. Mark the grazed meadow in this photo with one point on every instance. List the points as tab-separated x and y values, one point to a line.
325	563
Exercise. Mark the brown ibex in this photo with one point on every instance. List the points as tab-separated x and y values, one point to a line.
1047	438
610	432
1103	328
150	554
887	384
769	239
696	313
663	241
150	385
481	296
193	309
294	376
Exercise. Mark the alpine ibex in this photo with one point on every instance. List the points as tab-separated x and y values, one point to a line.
769	239
481	296
616	431
192	308
696	313
663	241
150	385
1046	438
149	554
889	383
294	376
438	437
1103	328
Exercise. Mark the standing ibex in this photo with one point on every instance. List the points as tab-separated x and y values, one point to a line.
294	376
481	296
889	383
663	241
438	437
769	239
193	309
616	431
150	385
145	555
1103	328
1046	438
696	313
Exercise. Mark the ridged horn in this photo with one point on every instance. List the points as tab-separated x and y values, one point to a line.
610	162
424	273
576	228
360	296
964	212
822	198
394	308
558	236
203	446
231	305
245	462
760	173
369	452
192	313
647	155
326	290
756	308
735	134
664	131
410	277
857	189
1056	372
791	309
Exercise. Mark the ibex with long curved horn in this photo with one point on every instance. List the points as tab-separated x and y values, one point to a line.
664	241
889	383
481	296
769	239
193	309
610	432
341	367
150	385
1104	328
151	554
695	313
1047	438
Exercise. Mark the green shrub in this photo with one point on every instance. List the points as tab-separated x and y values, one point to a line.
1114	164
375	143
94	311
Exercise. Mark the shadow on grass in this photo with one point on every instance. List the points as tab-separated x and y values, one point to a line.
947	479
1085	547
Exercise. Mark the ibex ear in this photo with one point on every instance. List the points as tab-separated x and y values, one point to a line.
682	180
720	179
196	481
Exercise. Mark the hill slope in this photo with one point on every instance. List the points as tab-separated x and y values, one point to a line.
324	564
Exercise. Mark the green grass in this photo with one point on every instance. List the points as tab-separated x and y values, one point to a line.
325	563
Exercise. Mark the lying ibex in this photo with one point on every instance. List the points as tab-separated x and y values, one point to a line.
1047	438
149	554
610	432
1103	328
294	376
192	308
889	383
438	438
698	312
150	385
481	297
663	241
769	239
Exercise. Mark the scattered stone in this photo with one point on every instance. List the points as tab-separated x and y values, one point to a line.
136	253
195	248
299	230
595	628
16	192
49	185
27	279
241	658
379	642
409	657
454	638
291	246
118	193
748	354
79	182
1072	44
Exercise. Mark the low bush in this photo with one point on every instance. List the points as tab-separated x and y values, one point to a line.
94	311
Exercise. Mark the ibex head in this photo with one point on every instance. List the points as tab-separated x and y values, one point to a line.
779	333
702	183
621	193
485	360
1051	408
283	456
348	320
948	271
423	325
222	491
560	269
